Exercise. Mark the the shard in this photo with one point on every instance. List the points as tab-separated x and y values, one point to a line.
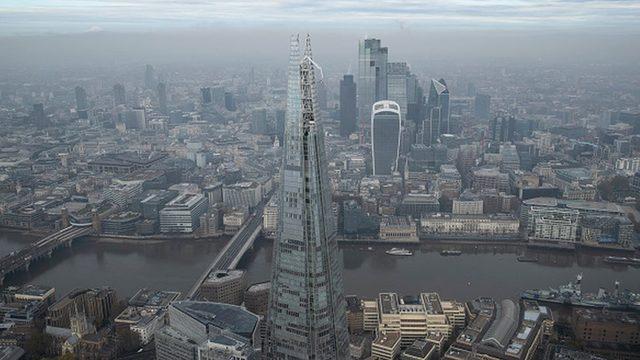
306	318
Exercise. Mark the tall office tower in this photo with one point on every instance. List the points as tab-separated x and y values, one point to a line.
307	310
397	75
386	125
503	128
81	98
348	110
82	105
206	95
38	117
162	98
230	101
482	105
149	77
437	112
119	97
372	78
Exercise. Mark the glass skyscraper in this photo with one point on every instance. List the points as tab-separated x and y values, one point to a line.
372	77
348	110
307	311
437	112
397	76
386	125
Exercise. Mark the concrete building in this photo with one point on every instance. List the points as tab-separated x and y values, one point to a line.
412	317
386	345
224	286
122	193
182	214
256	298
490	178
96	304
470	225
245	194
467	206
552	224
419	350
505	331
398	228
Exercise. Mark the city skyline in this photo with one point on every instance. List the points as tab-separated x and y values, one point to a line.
186	180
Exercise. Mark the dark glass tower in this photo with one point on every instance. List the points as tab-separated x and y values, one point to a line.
306	318
386	124
348	111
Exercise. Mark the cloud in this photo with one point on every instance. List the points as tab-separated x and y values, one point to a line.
74	15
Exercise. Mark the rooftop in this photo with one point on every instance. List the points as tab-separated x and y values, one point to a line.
223	316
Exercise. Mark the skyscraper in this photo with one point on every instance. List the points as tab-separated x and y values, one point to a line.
482	104
149	77
206	95
82	105
307	311
386	124
397	76
162	97
81	98
38	117
119	97
348	111
437	112
372	77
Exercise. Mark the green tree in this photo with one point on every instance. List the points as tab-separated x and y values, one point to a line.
39	345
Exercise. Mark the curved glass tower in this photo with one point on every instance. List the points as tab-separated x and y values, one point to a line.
307	311
386	125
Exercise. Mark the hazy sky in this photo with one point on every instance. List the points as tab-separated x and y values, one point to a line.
110	32
64	16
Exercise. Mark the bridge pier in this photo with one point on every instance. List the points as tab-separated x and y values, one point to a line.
50	253
27	265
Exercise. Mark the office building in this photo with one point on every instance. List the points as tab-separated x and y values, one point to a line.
96	304
552	224
205	92
437	114
224	286
397	75
348	108
306	306
412	317
38	116
419	350
386	345
244	195
119	96
82	104
162	98
505	331
372	77
122	192
398	228
482	105
149	77
207	331
256	298
386	125
182	214
229	101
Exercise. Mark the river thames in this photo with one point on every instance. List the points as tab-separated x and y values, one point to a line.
480	271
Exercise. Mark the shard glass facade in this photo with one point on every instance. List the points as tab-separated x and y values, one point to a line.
306	318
